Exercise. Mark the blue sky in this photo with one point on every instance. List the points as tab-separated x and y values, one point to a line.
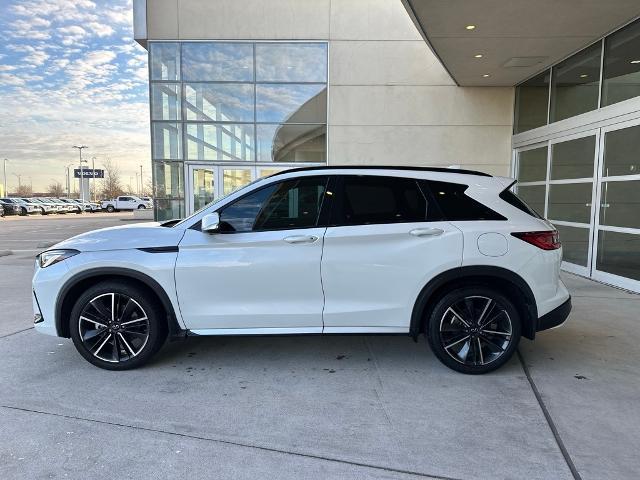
70	73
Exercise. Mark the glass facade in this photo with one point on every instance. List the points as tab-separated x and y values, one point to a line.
232	103
586	81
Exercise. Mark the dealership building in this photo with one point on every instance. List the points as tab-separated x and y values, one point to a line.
547	92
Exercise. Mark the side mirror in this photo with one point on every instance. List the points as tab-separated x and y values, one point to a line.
211	223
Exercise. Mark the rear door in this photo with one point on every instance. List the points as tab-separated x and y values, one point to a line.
385	241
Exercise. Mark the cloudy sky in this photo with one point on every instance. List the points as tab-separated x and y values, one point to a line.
71	73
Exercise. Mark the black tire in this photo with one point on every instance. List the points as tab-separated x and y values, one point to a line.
110	208
42	212
462	313
23	212
135	344
141	207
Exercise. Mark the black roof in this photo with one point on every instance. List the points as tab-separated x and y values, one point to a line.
385	167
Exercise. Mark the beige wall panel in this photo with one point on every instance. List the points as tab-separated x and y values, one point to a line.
253	19
485	148
162	19
420	105
371	20
385	63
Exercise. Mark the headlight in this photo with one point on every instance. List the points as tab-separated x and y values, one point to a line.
50	257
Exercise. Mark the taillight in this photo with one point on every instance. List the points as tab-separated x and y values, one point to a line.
547	240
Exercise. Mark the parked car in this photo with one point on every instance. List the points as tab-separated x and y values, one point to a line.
60	207
453	254
26	208
1	210
66	207
10	208
125	202
45	208
75	206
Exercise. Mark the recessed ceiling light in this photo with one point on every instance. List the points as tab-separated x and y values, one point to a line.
486	75
635	61
584	75
479	55
470	27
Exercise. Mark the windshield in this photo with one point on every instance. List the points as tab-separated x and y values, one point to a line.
218	201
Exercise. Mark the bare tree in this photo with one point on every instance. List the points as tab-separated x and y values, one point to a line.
24	191
56	190
148	189
111	186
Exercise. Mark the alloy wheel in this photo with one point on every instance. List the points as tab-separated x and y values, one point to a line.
113	327
476	330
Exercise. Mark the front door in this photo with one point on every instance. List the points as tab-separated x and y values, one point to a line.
261	273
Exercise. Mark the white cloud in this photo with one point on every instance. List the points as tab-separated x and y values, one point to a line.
100	29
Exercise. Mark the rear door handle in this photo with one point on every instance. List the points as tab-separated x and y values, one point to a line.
426	232
301	239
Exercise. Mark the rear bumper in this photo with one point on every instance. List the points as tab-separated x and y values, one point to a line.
555	317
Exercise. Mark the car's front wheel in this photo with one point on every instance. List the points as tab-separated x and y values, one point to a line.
116	326
474	330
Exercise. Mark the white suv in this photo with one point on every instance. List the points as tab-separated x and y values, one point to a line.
453	254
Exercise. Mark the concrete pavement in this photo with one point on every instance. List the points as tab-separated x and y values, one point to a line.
321	407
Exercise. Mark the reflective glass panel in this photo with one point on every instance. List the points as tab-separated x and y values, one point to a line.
204	187
169	189
292	143
165	61
621	76
217	62
217	102
575	244
167	141
532	165
620	204
570	202
265	172
165	101
533	196
206	141
292	62
291	103
573	159
234	178
532	103
622	152
575	84
619	254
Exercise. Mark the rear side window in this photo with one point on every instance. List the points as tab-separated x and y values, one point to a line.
455	205
376	199
515	201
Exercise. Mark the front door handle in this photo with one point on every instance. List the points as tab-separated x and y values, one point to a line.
301	239
426	232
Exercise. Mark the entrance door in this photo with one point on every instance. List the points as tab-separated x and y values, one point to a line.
206	183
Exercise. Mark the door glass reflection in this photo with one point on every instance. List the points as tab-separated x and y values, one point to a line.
203	187
233	179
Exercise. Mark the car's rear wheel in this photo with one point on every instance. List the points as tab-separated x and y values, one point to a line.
116	326
474	330
110	209
141	207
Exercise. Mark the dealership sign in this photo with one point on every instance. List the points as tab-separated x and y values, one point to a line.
88	173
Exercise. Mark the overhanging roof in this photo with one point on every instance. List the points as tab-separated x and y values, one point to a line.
510	33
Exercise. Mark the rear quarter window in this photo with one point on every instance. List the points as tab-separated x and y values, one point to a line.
515	201
455	205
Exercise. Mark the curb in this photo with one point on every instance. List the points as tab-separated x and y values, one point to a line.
4	253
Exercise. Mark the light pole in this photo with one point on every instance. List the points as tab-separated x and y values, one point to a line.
80	147
93	177
19	182
5	177
141	188
68	179
31	185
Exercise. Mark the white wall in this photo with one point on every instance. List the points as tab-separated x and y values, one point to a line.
390	100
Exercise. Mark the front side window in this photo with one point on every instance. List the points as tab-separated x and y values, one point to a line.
369	200
286	205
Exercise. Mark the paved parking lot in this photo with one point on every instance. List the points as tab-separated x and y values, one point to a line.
315	407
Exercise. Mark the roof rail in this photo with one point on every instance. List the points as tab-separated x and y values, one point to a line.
384	167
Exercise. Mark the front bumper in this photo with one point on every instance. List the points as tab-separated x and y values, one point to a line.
555	317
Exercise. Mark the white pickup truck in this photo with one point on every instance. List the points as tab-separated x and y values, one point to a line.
125	202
